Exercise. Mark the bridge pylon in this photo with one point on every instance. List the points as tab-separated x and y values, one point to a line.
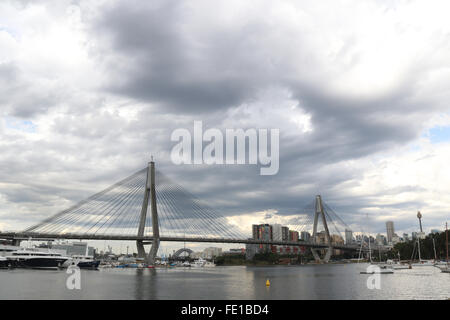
320	212
149	193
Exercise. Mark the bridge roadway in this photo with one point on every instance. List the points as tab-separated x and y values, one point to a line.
147	239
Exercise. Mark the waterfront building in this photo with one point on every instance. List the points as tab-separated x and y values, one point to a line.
293	235
263	232
305	236
277	232
285	233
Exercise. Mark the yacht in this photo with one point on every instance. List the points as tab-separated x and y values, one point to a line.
85	262
198	263
397	265
31	258
5	263
202	263
186	264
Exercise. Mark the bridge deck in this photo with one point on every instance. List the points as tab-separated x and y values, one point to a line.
42	236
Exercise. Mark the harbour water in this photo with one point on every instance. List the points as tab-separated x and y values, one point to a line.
334	281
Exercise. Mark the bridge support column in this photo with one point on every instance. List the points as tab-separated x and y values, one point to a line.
320	212
155	223
143	217
150	192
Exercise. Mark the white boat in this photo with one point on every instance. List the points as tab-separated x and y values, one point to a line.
186	264
396	265
198	263
423	263
83	261
202	263
209	264
32	258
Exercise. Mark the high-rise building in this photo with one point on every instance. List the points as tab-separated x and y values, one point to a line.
348	236
390	231
293	235
277	232
285	233
305	236
405	237
262	232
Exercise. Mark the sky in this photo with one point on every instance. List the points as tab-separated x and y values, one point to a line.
358	89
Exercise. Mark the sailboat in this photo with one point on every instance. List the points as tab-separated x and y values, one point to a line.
382	268
398	265
420	263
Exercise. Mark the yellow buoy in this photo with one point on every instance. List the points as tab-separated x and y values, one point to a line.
268	283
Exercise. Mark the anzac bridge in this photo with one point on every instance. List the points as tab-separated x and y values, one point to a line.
148	207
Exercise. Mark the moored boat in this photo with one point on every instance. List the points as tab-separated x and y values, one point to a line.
85	262
5	263
34	259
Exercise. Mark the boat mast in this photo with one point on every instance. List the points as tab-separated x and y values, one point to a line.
418	248
368	236
446	239
434	248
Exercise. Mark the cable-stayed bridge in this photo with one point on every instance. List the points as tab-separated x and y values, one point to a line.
148	207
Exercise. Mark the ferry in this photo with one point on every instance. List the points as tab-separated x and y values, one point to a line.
29	258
